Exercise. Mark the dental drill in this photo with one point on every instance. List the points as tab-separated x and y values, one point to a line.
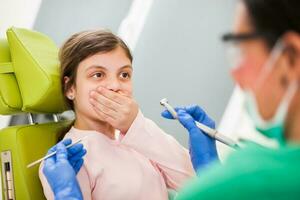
209	131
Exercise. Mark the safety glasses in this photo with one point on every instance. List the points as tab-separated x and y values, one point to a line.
232	43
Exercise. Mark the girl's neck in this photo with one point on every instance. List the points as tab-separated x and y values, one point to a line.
85	123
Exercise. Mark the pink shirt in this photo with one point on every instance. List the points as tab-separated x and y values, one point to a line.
140	165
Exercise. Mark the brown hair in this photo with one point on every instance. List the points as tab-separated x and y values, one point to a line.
82	45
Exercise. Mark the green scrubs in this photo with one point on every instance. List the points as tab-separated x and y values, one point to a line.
253	173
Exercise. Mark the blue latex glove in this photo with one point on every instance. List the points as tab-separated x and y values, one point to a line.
60	174
202	147
75	154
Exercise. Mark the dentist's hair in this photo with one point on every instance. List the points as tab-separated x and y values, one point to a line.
81	46
273	18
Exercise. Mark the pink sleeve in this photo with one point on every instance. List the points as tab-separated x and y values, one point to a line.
171	158
82	178
84	182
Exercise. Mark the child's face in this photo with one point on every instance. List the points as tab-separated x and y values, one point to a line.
111	70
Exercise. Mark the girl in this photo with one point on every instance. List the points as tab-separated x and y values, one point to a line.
128	155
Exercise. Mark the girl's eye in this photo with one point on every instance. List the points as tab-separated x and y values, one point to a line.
125	75
98	75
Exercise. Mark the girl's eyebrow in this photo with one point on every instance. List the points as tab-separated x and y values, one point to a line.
95	66
105	69
126	66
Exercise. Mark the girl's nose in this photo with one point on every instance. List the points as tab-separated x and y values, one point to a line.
113	84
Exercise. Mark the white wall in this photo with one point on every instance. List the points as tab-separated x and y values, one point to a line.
20	13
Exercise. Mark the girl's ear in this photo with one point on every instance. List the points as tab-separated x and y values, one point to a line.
70	92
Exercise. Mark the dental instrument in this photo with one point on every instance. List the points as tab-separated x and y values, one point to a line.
209	131
52	154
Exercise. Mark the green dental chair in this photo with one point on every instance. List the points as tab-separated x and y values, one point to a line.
29	83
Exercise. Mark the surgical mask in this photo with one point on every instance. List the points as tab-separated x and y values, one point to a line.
274	127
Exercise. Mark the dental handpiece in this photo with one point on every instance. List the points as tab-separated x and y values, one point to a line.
209	131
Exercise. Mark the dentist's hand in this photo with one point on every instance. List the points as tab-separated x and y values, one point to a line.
119	110
202	147
61	175
75	154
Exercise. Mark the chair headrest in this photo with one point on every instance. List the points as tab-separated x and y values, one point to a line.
34	60
10	98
